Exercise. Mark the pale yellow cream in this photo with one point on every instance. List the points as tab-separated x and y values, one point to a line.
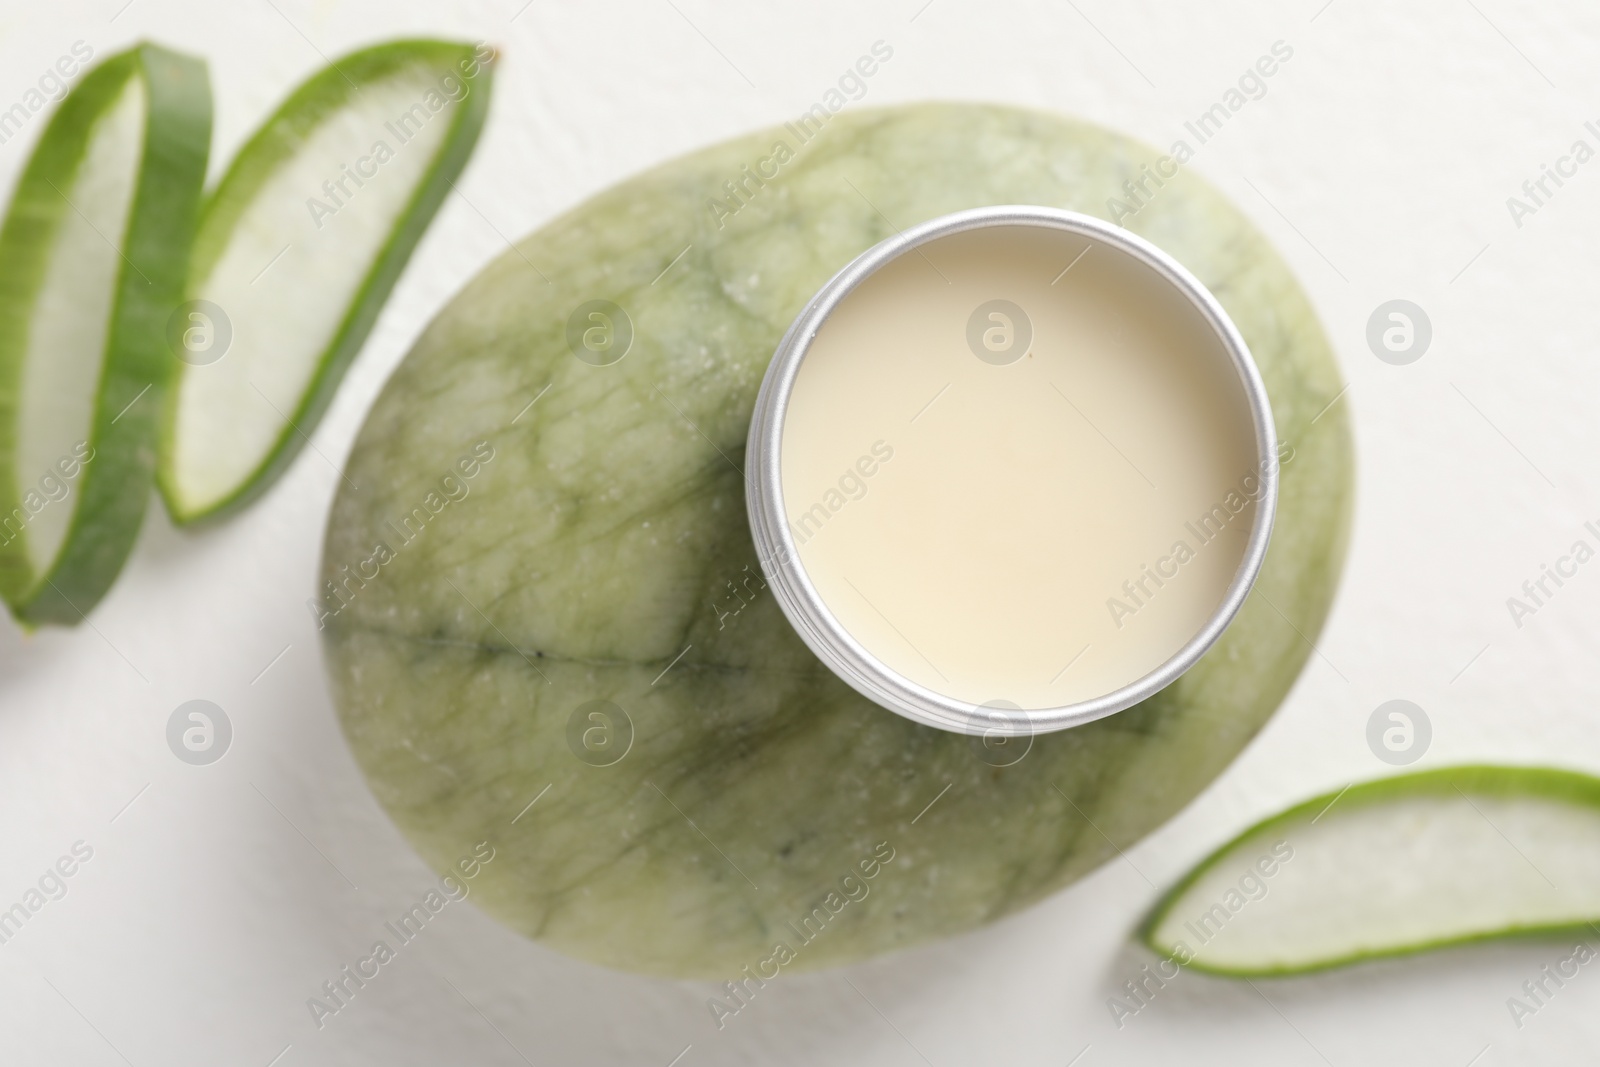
1039	525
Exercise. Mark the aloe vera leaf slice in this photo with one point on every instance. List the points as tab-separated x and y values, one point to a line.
299	247
1393	867
93	255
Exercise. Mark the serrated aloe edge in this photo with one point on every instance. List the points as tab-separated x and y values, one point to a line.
1392	867
298	248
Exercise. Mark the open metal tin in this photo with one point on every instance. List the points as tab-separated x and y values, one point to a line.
810	614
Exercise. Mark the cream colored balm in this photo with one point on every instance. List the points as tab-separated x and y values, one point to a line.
1019	467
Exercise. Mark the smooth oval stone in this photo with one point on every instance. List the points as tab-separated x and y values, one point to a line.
580	624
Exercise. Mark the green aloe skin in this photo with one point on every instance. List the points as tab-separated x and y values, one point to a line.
446	78
1390	868
103	497
598	543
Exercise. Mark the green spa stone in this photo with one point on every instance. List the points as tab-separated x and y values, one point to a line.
602	550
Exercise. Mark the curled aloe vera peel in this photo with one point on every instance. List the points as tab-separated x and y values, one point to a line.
299	247
93	256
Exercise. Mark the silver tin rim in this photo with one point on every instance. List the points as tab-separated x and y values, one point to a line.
805	609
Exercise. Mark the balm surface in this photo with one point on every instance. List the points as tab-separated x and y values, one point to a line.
1019	466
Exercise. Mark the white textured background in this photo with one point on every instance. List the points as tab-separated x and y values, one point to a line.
1380	162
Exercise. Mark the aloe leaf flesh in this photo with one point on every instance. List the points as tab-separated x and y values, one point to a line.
298	249
1393	867
93	256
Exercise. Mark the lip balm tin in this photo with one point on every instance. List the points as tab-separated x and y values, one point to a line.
779	556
